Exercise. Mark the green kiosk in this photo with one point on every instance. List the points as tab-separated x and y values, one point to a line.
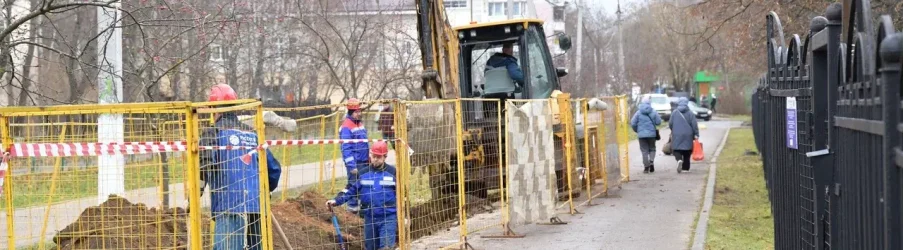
704	83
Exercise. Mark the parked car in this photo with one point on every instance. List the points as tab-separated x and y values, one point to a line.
701	112
660	103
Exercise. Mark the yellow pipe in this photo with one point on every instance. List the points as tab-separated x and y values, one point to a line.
335	151
228	109
286	171
401	155
568	120
322	155
7	141
56	173
588	171
502	167
459	132
221	103
194	194
263	174
310	118
104	108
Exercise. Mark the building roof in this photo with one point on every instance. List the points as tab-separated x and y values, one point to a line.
525	21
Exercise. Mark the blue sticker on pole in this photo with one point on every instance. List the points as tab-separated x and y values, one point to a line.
792	140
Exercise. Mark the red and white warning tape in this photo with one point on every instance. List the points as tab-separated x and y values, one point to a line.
94	149
130	148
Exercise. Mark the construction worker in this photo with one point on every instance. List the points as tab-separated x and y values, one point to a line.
232	175
503	77
387	124
354	154
376	188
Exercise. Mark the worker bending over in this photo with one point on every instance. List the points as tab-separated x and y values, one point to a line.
376	188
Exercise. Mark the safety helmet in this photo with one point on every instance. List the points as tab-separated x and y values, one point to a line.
221	92
353	104
379	148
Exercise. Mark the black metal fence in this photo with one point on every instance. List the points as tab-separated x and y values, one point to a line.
826	118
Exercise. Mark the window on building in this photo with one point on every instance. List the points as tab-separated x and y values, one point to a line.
558	13
455	4
216	52
500	8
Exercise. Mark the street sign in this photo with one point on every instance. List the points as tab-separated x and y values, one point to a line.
792	141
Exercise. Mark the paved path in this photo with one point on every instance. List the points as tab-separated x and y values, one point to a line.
653	211
28	222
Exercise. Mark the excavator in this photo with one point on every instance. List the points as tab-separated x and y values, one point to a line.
454	66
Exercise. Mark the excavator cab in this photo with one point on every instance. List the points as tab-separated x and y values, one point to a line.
485	70
479	43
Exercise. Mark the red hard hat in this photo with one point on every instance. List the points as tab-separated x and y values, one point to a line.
353	104
379	148
221	92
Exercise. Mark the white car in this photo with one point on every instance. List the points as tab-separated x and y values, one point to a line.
660	103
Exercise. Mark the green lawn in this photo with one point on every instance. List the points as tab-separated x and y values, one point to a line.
741	214
742	118
35	189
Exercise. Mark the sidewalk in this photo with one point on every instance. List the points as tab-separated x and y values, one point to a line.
653	211
29	221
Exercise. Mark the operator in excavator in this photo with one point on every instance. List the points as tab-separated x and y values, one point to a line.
503	76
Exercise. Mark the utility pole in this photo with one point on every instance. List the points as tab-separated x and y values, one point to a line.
111	168
622	75
578	69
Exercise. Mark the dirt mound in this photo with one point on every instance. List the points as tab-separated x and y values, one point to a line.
120	224
307	223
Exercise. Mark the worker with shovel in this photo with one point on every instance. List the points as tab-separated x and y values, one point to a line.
376	187
232	175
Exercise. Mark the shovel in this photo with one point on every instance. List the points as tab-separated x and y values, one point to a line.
338	232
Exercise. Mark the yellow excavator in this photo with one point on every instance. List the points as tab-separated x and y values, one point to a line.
454	66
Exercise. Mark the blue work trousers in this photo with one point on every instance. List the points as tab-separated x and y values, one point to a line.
233	231
380	231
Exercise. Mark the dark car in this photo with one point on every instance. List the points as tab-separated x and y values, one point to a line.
701	112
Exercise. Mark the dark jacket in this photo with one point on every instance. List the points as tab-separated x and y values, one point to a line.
683	126
232	174
386	121
510	62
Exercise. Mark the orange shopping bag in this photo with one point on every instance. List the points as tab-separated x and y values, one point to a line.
698	154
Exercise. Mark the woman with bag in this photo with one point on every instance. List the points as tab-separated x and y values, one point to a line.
645	122
684	131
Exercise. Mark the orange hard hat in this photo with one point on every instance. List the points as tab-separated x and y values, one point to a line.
379	148
221	92
353	104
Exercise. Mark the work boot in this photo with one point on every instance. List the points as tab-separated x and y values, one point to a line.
646	170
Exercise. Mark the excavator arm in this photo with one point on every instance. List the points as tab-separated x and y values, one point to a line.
439	51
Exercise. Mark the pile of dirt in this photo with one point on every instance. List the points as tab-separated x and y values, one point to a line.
120	224
307	224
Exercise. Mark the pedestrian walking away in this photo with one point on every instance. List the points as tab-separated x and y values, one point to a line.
684	130
354	154
233	178
376	188
645	123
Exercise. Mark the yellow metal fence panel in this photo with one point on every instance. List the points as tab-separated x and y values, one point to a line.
63	163
461	167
